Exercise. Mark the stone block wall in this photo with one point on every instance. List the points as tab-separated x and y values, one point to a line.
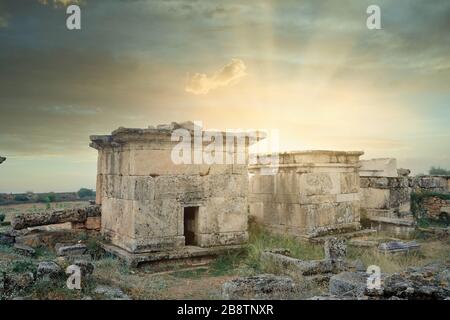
145	195
436	208
312	193
439	184
385	196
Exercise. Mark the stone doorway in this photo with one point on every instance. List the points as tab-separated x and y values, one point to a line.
190	226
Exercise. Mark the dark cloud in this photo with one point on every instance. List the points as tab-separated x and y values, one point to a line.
128	64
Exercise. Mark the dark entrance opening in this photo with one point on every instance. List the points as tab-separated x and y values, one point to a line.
190	225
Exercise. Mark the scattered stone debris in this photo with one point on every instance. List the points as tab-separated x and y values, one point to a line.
429	282
417	283
265	286
333	297
48	270
24	250
398	246
111	293
71	250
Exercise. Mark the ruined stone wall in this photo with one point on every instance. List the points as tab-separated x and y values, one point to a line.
390	196
385	196
436	208
439	184
143	194
313	193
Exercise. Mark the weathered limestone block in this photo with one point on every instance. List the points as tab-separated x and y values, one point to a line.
93	223
25	220
257	210
264	286
111	293
151	203
38	238
349	182
347	212
157	218
228	185
364	182
373	198
400	182
348	284
429	183
118	221
24	249
335	248
318	183
232	216
71	250
379	182
403	172
313	191
286	183
262	184
48	270
296	216
400	198
428	282
385	167
296	267
348	197
222	239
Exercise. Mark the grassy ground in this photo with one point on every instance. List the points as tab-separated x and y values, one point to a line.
206	282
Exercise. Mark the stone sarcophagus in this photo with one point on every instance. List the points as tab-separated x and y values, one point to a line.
151	201
311	193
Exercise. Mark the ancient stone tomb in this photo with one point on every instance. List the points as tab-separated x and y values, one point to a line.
149	203
311	193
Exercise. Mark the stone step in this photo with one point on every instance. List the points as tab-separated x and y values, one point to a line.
346	235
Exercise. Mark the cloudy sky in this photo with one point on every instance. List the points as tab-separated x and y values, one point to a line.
309	68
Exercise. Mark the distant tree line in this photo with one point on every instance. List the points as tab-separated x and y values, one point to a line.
438	171
49	197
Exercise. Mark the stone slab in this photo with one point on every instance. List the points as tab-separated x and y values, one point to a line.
186	253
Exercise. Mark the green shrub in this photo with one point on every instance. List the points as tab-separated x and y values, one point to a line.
86	193
439	171
94	248
20	198
20	266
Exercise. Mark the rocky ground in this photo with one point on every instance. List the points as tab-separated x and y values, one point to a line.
270	267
